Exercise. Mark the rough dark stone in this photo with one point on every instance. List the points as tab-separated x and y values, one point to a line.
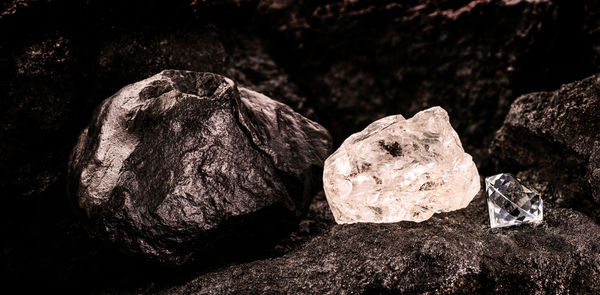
592	26
239	54
43	110
250	64
47	93
453	253
134	56
555	134
183	163
12	7
363	60
35	113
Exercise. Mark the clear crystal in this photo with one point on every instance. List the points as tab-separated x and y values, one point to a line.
511	202
400	169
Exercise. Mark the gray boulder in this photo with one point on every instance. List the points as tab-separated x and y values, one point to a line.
183	163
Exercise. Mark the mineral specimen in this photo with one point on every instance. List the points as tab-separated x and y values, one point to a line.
512	203
398	169
183	163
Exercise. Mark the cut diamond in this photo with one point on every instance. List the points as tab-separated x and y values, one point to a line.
512	203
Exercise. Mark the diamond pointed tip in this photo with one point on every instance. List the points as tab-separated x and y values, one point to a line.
510	202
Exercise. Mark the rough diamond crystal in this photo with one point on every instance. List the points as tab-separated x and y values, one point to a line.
512	203
398	169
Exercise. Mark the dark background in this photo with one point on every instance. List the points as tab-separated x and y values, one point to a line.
342	64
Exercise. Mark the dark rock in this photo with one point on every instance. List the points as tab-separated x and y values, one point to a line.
592	26
453	253
182	163
250	64
341	55
238	54
48	97
11	7
45	247
134	56
363	60
555	135
35	113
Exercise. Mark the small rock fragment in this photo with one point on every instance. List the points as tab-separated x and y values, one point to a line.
398	169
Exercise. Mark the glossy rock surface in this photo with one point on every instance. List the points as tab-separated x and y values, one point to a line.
183	162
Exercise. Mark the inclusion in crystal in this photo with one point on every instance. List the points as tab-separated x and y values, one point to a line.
511	202
400	169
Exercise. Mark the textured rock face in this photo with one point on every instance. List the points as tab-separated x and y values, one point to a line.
32	116
175	163
52	85
366	59
398	169
451	253
563	126
350	62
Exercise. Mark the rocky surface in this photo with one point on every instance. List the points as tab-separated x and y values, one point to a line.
55	78
183	163
363	60
451	253
590	26
400	169
342	63
32	116
563	126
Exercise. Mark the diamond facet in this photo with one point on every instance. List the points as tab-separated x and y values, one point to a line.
511	202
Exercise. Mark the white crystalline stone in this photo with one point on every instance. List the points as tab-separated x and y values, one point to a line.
512	203
398	169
